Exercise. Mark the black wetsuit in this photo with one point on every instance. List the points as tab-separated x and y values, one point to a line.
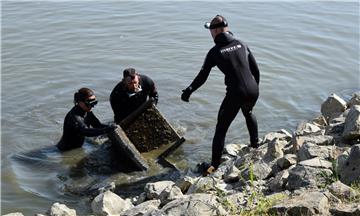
77	126
124	103
235	60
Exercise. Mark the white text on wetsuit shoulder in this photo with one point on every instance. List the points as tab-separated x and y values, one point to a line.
230	49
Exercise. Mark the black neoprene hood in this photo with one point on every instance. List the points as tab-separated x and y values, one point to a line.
212	25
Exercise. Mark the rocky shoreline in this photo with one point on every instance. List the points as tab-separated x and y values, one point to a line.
314	170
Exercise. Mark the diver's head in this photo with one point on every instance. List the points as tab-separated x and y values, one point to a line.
217	25
85	98
131	80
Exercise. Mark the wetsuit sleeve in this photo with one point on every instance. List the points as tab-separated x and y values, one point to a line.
85	130
114	101
94	121
153	91
253	67
204	72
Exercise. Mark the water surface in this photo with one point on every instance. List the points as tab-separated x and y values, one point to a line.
305	52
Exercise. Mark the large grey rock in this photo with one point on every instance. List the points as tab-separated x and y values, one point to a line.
342	191
203	185
288	149
310	150
346	210
355	100
308	203
317	163
281	135
260	162
298	141
275	148
223	168
267	165
341	160
341	118
58	209
185	182
320	121
108	203
194	205
333	107
334	200
234	202
145	208
234	149
259	170
306	128
286	161
243	161
153	190
336	131
226	157
307	177
169	194
278	183
350	171
232	174
139	199
352	124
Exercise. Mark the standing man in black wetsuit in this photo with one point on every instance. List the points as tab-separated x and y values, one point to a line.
132	91
235	60
78	121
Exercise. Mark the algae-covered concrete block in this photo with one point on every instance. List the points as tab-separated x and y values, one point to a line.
147	129
142	131
124	146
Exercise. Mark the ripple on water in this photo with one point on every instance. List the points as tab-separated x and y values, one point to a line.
305	51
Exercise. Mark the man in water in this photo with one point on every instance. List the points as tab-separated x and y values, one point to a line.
234	59
132	91
80	122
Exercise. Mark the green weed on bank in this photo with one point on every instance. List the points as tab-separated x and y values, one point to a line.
256	204
356	187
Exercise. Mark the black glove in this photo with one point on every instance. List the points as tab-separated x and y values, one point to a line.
110	127
155	100
186	94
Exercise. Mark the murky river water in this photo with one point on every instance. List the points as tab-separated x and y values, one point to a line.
305	51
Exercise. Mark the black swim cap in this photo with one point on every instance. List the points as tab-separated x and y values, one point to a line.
131	72
82	94
217	22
